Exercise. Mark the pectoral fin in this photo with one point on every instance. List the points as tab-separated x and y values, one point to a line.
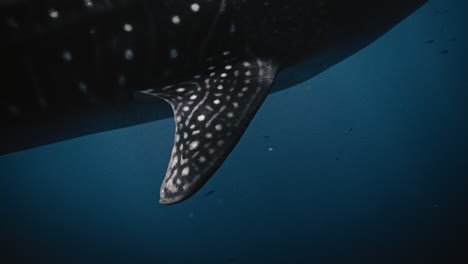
212	112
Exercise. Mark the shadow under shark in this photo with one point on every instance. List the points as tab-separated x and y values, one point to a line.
83	67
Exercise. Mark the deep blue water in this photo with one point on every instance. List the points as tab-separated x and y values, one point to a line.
364	163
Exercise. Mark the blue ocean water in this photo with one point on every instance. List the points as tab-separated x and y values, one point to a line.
364	163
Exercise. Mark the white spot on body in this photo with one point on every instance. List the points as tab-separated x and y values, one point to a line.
128	54
195	7
219	127
223	75
170	187
185	171
67	56
173	53
228	67
122	80
53	13
88	3
180	90
201	117
128	27
83	87
174	161
176	20
216	101
209	135
193	97
194	145
186	108
233	28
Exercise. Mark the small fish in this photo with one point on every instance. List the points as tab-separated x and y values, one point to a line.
209	193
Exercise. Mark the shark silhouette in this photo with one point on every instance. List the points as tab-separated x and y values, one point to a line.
72	68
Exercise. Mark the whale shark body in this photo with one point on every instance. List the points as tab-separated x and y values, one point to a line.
79	67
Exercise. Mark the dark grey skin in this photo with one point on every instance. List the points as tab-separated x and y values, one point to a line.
83	67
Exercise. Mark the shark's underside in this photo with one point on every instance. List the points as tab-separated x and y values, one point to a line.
89	66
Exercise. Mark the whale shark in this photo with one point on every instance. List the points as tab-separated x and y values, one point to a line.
73	68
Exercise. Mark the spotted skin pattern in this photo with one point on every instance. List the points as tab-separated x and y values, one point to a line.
211	113
211	109
213	61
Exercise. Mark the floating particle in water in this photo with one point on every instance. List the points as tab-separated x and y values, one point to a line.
270	149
